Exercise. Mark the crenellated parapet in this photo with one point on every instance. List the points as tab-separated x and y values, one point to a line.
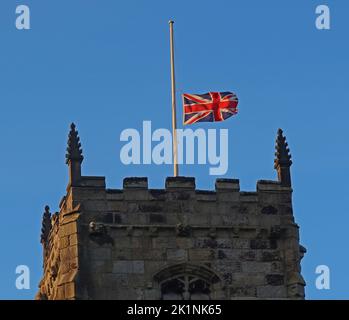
137	188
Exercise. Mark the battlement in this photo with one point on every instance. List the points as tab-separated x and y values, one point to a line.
178	188
188	183
182	184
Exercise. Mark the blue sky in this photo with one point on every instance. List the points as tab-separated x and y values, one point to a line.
105	65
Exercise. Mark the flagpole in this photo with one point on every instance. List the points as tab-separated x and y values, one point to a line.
174	116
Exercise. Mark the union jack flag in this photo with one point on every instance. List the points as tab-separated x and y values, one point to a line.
209	107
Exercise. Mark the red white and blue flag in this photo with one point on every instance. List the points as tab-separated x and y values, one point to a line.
209	107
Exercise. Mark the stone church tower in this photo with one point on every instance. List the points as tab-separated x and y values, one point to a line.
172	243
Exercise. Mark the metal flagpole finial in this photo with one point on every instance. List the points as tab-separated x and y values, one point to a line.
171	22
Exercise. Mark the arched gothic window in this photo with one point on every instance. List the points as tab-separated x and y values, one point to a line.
186	282
185	287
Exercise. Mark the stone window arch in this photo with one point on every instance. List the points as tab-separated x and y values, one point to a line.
187	282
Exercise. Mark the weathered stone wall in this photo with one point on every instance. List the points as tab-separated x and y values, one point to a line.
125	244
61	258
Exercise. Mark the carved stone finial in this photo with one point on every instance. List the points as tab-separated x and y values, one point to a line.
282	162
46	225
74	157
74	151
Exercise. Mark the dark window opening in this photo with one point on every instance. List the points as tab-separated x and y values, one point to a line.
185	287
